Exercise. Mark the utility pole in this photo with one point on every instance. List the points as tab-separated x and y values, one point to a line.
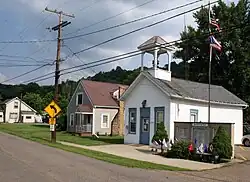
57	71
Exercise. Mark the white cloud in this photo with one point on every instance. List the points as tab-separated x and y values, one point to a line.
27	14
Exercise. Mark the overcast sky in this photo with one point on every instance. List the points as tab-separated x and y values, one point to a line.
26	20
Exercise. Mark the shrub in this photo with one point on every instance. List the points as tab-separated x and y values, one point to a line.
179	150
61	123
222	143
160	134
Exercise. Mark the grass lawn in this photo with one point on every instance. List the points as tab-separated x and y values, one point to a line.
41	134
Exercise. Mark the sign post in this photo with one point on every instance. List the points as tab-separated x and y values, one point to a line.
53	110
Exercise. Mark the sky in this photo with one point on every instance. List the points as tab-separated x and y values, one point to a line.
24	20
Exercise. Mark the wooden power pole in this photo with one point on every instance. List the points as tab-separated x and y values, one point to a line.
58	59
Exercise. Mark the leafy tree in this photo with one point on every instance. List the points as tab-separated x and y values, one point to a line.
160	135
222	143
34	100
230	68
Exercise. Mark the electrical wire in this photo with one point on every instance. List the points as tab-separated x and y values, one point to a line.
78	57
27	41
20	61
26	73
19	65
139	29
114	16
133	21
128	55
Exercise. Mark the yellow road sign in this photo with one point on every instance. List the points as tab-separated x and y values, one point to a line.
53	109
52	121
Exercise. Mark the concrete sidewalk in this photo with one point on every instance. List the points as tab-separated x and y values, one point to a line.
143	153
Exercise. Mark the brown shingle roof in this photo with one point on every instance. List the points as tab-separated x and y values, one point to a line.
100	93
84	108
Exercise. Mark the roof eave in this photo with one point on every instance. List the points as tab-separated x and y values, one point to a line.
213	102
99	106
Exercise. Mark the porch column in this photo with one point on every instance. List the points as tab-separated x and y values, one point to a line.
142	60
93	121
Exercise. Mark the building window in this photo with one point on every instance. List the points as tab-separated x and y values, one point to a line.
105	121
71	119
193	115
132	120
1	116
28	117
159	116
13	115
15	104
79	99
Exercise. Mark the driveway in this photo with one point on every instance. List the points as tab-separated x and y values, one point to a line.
26	161
242	152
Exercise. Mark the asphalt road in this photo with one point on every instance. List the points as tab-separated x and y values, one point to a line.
25	161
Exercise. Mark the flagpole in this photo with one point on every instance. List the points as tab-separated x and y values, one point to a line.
209	82
209	67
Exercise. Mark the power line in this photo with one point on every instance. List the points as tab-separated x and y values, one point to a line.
133	21
39	49
19	65
16	56
26	73
89	6
20	60
77	56
127	55
139	29
27	41
53	40
114	16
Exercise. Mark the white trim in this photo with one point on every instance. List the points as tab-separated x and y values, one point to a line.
93	121
115	107
72	114
84	112
79	93
205	101
105	114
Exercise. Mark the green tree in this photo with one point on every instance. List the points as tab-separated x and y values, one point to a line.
160	135
230	68
34	100
222	143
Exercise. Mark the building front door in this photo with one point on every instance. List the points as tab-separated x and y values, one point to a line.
144	125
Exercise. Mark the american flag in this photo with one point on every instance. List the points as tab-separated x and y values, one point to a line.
214	22
214	43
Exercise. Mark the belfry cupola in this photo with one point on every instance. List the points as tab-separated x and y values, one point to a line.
157	46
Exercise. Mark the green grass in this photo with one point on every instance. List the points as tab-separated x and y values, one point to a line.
42	132
41	135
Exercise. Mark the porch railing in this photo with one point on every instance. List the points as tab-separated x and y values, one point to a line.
84	128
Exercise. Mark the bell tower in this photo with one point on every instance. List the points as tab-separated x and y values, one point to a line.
157	46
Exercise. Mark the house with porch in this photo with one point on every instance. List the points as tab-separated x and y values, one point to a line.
17	111
95	109
155	96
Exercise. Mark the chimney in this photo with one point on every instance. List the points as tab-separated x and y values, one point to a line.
121	111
